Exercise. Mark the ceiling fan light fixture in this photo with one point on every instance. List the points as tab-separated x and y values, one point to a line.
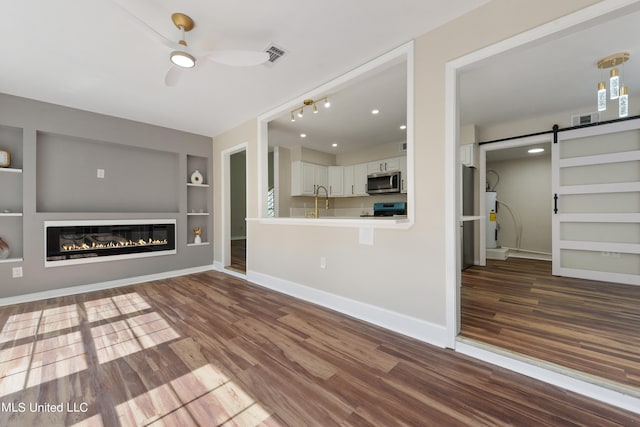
301	112
327	104
182	59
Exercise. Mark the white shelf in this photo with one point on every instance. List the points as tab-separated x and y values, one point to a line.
197	213
10	213
11	170
190	184
198	244
8	260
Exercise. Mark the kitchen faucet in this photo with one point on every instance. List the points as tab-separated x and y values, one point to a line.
326	202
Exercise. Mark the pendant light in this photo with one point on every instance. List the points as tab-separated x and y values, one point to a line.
623	102
614	84
602	96
616	89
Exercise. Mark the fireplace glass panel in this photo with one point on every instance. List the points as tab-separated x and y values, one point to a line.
90	241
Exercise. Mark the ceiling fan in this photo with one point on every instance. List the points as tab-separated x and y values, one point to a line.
183	56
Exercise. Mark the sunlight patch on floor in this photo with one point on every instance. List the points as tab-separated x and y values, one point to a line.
205	396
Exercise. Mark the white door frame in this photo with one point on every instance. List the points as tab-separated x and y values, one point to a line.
225	198
598	12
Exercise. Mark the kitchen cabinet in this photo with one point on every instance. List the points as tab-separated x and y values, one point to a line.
360	173
349	183
403	174
468	155
354	181
342	181
336	181
384	165
306	177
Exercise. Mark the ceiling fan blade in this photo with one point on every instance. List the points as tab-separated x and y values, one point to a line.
173	76
149	30
238	58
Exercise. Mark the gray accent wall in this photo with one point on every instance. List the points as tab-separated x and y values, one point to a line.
145	177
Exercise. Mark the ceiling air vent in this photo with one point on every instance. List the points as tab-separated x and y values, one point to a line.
585	119
275	53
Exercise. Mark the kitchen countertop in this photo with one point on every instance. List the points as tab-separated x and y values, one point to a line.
400	221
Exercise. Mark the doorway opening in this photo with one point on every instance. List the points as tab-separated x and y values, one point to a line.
238	214
234	210
541	304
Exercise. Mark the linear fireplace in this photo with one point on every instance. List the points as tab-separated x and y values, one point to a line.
79	242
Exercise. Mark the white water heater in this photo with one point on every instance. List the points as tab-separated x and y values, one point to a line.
491	206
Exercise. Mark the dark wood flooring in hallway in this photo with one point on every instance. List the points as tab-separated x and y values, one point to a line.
590	326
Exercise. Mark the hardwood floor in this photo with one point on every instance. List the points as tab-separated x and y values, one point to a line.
210	349
590	326
239	255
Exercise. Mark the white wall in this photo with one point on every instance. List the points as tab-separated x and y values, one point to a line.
525	185
404	271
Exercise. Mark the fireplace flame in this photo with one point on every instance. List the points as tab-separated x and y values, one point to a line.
113	244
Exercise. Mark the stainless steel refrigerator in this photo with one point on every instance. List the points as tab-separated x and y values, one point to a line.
467	245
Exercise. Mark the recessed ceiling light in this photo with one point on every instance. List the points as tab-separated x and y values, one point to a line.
403	127
535	150
375	111
335	144
303	135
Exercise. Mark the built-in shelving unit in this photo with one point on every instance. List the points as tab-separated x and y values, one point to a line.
198	200
11	194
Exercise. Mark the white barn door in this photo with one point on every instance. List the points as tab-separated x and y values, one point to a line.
596	203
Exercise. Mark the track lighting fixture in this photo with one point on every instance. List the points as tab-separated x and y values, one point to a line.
307	103
616	90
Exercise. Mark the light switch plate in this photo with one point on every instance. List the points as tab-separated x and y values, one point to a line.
16	272
100	173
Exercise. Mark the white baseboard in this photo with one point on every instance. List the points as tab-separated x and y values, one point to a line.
397	322
538	371
74	290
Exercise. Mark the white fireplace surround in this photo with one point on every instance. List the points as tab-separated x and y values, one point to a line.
107	222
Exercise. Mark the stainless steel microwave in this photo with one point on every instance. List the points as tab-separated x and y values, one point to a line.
383	182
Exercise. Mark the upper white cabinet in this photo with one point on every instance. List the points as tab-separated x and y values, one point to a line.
360	179
385	165
336	181
468	155
355	180
306	177
342	181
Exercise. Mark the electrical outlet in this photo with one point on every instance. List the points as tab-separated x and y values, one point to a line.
100	173
323	263
16	272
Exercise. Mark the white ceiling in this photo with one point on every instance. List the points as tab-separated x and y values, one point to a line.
92	55
349	121
552	76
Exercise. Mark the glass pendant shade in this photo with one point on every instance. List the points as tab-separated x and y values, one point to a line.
602	96
614	84
623	102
